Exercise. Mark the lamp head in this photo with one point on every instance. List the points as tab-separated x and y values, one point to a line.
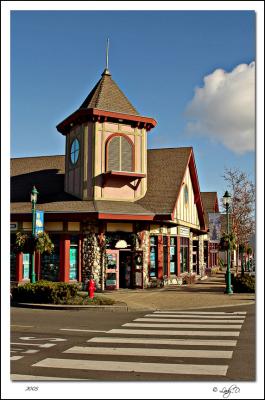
226	199
34	195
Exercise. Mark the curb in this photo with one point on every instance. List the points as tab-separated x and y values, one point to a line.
123	307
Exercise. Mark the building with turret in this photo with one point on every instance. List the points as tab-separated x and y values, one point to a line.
129	216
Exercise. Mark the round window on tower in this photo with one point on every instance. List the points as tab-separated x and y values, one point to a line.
74	152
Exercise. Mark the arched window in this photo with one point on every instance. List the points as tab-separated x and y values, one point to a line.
119	154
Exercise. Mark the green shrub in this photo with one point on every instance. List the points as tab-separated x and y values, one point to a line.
243	284
44	292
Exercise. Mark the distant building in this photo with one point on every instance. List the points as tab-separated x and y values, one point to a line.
145	205
211	241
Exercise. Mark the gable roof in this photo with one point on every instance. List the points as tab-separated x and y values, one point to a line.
165	171
106	95
210	204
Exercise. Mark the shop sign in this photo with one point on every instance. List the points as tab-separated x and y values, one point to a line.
13	226
183	231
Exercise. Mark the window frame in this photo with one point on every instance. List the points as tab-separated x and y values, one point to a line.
73	152
120	159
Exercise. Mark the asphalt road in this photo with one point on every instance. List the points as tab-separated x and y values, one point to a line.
207	345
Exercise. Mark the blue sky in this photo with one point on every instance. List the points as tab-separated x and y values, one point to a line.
157	58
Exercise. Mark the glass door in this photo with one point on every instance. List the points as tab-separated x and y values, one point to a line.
112	270
73	273
26	265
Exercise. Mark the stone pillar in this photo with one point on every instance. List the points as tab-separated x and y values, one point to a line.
144	244
201	255
91	255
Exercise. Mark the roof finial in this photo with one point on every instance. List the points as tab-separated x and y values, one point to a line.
106	70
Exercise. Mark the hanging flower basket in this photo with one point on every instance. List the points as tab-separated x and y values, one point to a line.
226	240
26	243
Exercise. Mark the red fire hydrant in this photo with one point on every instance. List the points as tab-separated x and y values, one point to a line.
91	288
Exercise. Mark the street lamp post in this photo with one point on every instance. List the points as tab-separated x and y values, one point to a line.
226	202
33	199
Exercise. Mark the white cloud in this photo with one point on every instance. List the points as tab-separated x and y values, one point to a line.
224	108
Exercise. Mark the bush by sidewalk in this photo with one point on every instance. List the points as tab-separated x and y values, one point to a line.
46	292
243	284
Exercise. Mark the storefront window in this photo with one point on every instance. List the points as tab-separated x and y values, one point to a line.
50	263
165	255
184	254
173	252
153	256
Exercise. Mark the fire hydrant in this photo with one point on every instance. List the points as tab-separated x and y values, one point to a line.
91	288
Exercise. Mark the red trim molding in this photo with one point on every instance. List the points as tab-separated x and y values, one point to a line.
130	217
19	267
84	114
64	258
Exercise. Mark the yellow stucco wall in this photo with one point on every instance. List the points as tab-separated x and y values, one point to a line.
27	226
53	226
119	226
111	191
74	226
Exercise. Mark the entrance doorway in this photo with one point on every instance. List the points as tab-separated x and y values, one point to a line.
125	269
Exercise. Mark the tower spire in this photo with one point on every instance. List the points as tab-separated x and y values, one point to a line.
106	70
107	55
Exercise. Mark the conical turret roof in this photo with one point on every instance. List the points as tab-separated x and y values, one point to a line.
106	95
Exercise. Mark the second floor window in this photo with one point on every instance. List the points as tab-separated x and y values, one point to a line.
119	154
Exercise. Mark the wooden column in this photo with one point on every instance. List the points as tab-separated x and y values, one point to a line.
168	256
178	256
37	265
64	258
19	267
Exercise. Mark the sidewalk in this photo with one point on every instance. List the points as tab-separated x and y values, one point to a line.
208	293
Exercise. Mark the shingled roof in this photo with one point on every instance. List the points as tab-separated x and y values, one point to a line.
165	172
107	96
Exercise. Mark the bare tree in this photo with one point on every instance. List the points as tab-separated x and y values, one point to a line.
242	210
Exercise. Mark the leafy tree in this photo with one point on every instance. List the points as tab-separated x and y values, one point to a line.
242	208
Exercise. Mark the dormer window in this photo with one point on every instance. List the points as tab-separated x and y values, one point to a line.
119	154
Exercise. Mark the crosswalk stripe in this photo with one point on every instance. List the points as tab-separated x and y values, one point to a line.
226	321
30	351
219	317
201	312
20	377
80	330
174	333
44	345
125	351
186	369
165	325
15	358
183	342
